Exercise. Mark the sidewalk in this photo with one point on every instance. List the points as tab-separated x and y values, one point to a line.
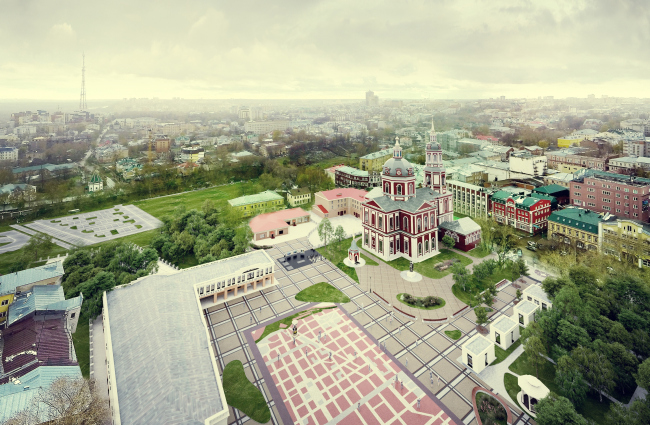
493	375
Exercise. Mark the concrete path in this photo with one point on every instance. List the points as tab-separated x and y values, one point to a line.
16	240
640	393
493	375
32	233
98	357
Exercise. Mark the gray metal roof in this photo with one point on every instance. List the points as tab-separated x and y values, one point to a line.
422	195
504	324
9	282
478	344
464	225
161	357
526	307
41	297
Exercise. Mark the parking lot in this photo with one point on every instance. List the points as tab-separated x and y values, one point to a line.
97	226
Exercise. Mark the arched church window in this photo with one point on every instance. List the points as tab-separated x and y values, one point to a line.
426	246
426	222
420	248
399	189
419	225
406	225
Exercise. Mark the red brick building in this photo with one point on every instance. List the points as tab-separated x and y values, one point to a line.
464	231
620	195
521	212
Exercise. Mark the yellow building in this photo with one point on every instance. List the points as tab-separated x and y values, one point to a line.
260	202
629	240
300	196
15	283
375	161
566	142
569	168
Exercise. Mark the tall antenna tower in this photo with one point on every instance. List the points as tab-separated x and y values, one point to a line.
82	98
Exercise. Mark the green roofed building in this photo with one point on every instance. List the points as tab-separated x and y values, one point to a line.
561	193
576	227
261	202
527	213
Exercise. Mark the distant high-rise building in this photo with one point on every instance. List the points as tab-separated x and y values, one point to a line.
591	96
371	98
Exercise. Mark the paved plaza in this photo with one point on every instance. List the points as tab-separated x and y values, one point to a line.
97	226
13	239
422	349
335	373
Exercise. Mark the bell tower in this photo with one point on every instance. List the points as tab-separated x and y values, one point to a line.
434	171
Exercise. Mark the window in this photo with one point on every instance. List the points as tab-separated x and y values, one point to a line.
497	338
543	306
521	318
469	361
486	359
512	337
5	302
381	246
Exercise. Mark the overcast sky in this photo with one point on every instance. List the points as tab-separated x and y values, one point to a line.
324	49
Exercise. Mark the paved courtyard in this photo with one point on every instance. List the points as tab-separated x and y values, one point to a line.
432	357
335	373
97	226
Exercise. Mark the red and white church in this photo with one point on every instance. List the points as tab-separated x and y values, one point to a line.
404	221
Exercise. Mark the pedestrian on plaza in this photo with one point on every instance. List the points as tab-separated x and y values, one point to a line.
418	403
330	355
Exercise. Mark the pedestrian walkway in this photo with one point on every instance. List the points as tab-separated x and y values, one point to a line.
493	375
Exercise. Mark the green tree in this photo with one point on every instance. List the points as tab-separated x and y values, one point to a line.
643	375
536	350
448	241
481	316
519	268
325	230
460	275
557	410
595	368
569	379
339	236
488	295
38	246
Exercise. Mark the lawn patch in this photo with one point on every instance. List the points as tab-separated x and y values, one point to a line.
81	341
455	334
114	232
463	296
129	221
125	217
75	218
117	219
275	326
502	354
479	252
242	394
336	255
55	221
490	410
421	303
87	231
64	224
118	213
91	218
427	267
322	293
90	224
138	226
74	227
100	236
511	383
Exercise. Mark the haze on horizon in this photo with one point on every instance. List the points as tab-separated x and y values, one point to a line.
333	49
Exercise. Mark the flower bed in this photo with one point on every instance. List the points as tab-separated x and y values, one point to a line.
424	303
490	410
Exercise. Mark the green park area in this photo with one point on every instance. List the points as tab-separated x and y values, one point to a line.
433	267
242	394
322	293
336	252
455	334
423	303
286	322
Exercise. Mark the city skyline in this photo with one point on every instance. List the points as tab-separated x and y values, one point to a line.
326	50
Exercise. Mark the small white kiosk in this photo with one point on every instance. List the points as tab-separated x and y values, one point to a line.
536	295
532	391
524	312
504	332
478	353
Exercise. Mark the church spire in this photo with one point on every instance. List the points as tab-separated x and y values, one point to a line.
397	150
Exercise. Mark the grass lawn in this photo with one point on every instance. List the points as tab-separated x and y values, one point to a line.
512	387
458	215
463	296
442	303
337	254
426	268
9	258
485	417
159	207
81	341
275	326
502	354
369	262
242	394
479	252
455	334
592	408
322	293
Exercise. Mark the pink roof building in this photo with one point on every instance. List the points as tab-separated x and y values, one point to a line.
337	202
277	223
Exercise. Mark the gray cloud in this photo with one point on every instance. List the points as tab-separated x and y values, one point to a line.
328	49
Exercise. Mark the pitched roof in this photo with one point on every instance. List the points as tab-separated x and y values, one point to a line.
16	397
39	298
162	360
352	171
95	178
578	218
413	204
349	192
9	282
265	196
275	220
552	189
300	191
378	154
464	225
